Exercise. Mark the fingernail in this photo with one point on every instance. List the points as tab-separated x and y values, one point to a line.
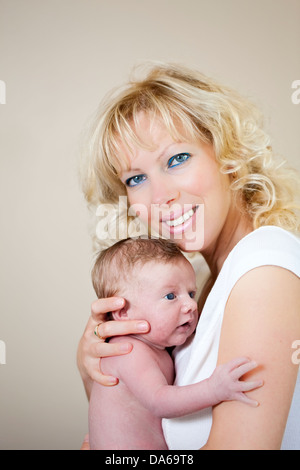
112	381
125	347
119	302
142	326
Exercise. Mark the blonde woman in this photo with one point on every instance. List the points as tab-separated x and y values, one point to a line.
196	166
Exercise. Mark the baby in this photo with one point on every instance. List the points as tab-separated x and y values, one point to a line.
158	284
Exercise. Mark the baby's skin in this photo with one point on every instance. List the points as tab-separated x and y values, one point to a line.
128	415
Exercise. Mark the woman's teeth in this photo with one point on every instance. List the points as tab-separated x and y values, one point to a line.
183	218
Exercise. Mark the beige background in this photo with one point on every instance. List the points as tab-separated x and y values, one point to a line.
58	58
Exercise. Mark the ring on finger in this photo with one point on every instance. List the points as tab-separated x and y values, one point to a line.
97	333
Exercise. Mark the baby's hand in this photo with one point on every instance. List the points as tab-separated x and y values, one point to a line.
226	384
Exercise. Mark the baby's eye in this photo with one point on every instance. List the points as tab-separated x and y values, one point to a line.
192	294
178	159
135	180
170	296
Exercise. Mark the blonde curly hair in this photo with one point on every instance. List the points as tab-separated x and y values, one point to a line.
207	111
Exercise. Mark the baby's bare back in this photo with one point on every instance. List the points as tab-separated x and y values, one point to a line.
117	419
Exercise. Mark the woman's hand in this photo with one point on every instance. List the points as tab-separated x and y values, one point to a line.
92	348
86	443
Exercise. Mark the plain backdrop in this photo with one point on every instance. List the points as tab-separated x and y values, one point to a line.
58	58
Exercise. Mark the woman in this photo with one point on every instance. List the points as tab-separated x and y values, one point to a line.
193	160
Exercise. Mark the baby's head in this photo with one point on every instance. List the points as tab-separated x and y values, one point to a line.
158	284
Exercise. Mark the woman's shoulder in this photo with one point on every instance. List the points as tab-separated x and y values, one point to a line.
270	236
265	246
268	242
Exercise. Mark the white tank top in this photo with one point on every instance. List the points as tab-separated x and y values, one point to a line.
197	358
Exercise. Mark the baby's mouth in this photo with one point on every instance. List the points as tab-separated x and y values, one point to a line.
187	324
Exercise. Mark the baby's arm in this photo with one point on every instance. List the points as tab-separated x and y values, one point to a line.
222	385
146	381
171	401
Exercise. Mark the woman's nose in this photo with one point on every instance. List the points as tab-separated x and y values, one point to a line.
163	192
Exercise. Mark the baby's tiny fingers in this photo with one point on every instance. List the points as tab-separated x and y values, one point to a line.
243	369
236	362
247	386
248	401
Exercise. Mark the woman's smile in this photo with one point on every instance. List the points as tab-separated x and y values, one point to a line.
176	226
176	220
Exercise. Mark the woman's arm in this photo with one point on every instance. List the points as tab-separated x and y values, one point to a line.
91	348
261	320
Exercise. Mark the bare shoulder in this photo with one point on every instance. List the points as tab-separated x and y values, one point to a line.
261	321
262	314
267	289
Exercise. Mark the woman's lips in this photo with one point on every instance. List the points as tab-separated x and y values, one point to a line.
180	222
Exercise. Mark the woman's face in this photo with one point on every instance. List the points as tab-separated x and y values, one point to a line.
177	188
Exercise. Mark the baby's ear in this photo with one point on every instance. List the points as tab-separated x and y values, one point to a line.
121	314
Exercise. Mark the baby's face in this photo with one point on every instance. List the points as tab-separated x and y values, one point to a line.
164	295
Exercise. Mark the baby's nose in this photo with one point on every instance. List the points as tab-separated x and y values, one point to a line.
189	305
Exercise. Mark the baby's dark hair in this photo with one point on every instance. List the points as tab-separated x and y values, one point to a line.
115	263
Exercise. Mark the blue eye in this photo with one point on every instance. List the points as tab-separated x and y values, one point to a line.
192	294
135	180
170	296
178	159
